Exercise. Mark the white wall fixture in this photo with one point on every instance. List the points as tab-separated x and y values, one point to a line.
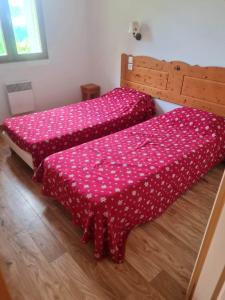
21	97
130	63
135	29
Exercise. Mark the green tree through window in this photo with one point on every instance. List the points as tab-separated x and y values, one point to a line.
2	43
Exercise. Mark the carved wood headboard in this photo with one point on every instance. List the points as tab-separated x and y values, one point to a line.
177	82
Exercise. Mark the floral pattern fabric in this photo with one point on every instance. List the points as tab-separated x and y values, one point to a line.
114	183
45	133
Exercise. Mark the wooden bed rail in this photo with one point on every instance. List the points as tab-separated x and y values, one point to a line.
176	82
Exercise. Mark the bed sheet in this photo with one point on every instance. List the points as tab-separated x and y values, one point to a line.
112	184
45	133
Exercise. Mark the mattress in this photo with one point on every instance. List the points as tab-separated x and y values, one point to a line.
45	133
112	184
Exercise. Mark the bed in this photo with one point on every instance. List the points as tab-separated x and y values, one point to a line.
35	136
115	183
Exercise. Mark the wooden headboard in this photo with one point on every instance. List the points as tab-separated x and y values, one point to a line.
177	82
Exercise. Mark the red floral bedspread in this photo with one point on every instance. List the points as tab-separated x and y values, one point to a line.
112	184
48	132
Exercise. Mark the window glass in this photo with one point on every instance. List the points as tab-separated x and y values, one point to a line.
3	51
25	26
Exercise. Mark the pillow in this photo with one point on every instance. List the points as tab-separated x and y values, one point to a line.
131	98
195	119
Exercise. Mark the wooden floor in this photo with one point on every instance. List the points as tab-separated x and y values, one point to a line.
41	256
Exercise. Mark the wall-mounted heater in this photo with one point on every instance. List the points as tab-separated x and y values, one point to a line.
21	97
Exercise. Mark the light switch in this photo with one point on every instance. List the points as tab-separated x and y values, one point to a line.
130	60
130	67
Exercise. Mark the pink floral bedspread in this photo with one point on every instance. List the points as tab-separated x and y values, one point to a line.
112	184
48	132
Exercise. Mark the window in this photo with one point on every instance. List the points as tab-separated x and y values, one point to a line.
22	35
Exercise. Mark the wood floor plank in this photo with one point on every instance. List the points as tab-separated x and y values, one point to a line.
21	175
122	278
198	201
30	272
168	287
16	214
186	207
167	252
77	281
142	263
153	295
182	228
47	243
184	220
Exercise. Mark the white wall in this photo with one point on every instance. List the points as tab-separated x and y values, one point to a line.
192	31
55	81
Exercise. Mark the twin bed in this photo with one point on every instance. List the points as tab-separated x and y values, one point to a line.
38	135
124	178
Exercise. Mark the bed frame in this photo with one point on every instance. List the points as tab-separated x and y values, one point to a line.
25	156
176	82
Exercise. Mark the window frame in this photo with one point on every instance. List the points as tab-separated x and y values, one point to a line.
10	42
